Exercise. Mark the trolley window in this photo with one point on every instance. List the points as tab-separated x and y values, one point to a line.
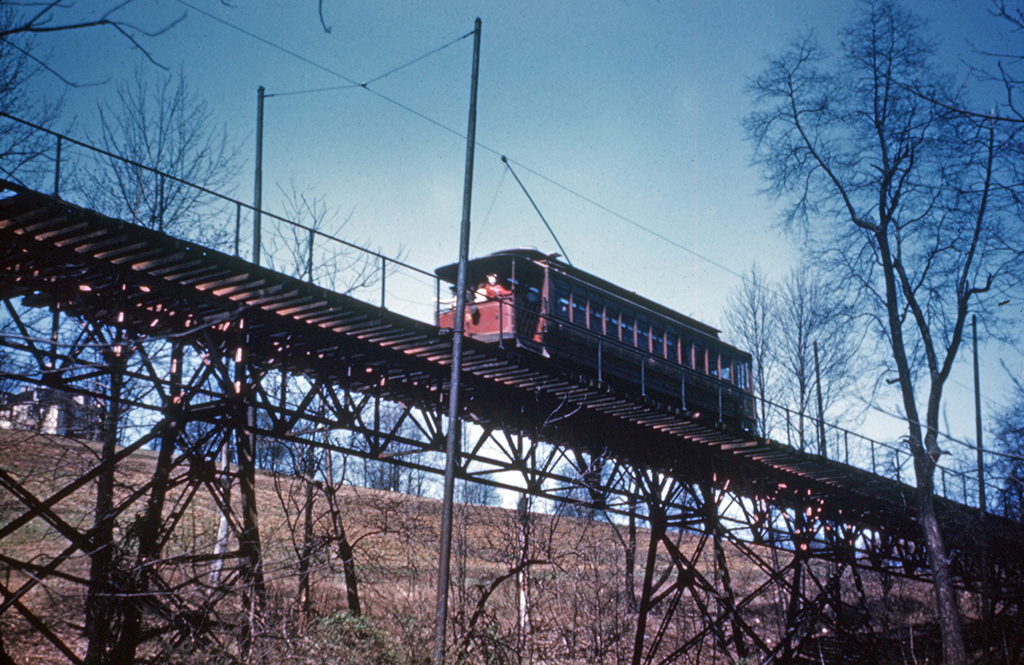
579	308
560	299
596	315
658	341
628	328
611	317
671	345
686	352
643	333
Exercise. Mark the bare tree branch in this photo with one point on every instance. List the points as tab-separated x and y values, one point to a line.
53	17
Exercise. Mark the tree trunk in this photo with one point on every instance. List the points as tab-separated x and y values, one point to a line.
948	614
658	525
796	593
523	577
254	592
151	523
99	602
631	600
345	552
305	601
224	528
923	450
249	546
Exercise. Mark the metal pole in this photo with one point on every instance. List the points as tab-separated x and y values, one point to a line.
160	205
643	383
986	590
822	446
383	282
238	225
451	444
258	190
309	260
977	422
56	172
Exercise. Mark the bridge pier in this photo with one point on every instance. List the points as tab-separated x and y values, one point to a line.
253	586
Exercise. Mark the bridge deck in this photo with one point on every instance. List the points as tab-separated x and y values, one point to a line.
58	256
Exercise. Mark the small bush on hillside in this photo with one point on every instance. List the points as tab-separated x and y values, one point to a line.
355	639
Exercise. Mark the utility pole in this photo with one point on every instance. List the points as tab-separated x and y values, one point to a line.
822	447
454	422
977	422
986	603
257	203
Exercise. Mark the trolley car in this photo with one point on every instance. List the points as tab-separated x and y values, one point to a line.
585	324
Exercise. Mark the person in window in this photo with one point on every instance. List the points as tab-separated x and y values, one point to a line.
494	289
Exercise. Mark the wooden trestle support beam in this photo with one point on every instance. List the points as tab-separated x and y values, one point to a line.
756	553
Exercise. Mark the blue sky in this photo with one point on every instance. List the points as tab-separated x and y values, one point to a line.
629	109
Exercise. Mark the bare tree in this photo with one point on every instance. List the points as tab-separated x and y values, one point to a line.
916	203
173	148
816	347
477	494
21	146
1007	64
294	248
1009	431
308	246
339	537
751	316
782	324
24	149
164	128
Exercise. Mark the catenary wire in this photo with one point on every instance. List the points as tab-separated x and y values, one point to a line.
365	86
943	434
412	62
352	83
351	86
269	43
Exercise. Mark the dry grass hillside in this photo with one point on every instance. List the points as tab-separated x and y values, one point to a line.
574	604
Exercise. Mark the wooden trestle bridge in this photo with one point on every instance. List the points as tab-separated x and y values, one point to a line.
211	335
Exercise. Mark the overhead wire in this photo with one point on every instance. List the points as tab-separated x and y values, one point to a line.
269	43
945	435
422	57
365	86
386	74
312	90
504	161
352	83
632	222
